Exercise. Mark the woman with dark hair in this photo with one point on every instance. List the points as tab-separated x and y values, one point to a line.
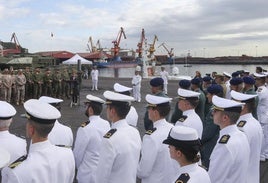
184	146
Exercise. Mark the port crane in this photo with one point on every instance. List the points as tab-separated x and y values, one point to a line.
91	48
170	52
152	48
116	42
98	45
140	44
8	48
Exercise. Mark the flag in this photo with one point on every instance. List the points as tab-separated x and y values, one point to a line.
51	34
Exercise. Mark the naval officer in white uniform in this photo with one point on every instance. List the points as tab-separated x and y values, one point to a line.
45	162
16	146
60	135
88	140
229	160
120	148
155	165
188	100
252	128
132	116
184	146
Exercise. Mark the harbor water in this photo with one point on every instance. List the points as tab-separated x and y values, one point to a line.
184	70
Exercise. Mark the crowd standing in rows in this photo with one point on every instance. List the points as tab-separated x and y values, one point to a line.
218	131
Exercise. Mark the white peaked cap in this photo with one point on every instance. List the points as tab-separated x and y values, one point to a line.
50	100
241	96
109	95
41	112
92	98
157	100
6	110
225	104
121	88
187	93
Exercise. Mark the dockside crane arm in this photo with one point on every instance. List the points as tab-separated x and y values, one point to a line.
117	41
170	52
140	44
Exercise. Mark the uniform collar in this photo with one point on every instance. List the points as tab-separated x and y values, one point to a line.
93	118
245	116
159	122
188	168
228	129
188	112
39	146
119	123
4	133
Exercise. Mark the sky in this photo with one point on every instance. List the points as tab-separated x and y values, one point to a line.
203	28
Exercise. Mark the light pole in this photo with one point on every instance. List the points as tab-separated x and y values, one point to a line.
204	52
256	49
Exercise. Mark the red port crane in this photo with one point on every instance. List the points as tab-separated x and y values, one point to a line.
170	52
116	42
140	44
10	47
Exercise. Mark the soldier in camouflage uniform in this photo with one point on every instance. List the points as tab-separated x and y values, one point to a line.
48	79
7	85
13	87
38	83
20	85
57	83
29	83
66	84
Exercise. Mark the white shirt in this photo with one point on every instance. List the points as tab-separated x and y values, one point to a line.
136	80
61	135
262	108
14	145
252	128
155	165
87	147
45	163
164	76
191	119
229	161
94	74
195	172
132	117
119	155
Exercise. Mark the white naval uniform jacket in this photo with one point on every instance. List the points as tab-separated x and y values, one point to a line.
252	128
191	119
192	173
132	117
94	75
61	135
119	154
45	163
155	165
16	146
87	146
230	157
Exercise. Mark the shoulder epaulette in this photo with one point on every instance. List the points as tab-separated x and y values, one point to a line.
183	178
149	132
17	162
259	90
182	119
224	139
85	124
20	136
241	123
110	133
59	145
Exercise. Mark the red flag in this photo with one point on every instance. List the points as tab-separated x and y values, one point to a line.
52	34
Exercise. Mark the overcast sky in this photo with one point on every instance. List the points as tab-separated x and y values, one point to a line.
202	27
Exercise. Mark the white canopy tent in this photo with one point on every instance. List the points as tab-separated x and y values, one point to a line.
74	60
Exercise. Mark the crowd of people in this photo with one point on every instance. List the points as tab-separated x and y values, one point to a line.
217	132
